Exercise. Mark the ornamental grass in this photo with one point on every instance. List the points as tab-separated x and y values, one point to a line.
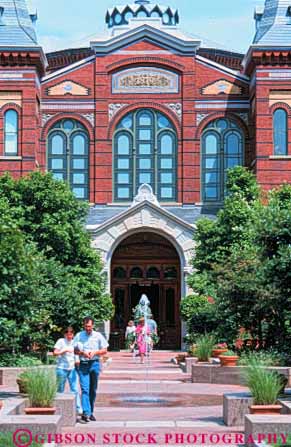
41	387
265	385
204	347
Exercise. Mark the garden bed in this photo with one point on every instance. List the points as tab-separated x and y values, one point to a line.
9	375
209	373
13	417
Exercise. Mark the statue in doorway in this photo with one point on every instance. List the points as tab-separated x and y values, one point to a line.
146	331
142	309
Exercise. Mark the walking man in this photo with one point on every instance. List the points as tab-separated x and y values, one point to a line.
90	346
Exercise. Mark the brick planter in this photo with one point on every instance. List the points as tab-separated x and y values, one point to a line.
235	407
8	376
210	373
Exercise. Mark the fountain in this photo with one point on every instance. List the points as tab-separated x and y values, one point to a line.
143	310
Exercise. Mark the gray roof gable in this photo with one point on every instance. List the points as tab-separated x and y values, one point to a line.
274	24
16	25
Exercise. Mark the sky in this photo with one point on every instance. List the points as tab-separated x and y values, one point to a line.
226	24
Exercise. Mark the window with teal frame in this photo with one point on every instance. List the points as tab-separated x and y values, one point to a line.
222	148
280	130
11	132
68	153
145	151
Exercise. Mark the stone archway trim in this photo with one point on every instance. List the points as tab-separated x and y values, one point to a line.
144	215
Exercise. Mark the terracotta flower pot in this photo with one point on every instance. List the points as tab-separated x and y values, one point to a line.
40	411
228	360
219	351
265	409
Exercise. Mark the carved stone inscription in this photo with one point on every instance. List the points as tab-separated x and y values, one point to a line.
145	80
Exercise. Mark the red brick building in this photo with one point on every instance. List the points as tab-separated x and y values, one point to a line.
146	105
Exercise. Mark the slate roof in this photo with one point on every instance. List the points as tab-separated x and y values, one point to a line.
99	214
274	24
16	25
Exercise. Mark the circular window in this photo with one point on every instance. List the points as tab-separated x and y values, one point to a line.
222	124
128	16
163	121
166	18
117	19
127	122
141	14
68	125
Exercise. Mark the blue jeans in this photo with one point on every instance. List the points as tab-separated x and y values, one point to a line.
71	375
89	373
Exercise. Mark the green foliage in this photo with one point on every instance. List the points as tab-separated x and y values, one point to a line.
264	385
243	260
229	353
50	277
192	305
264	358
6	440
41	387
281	443
243	183
204	347
19	360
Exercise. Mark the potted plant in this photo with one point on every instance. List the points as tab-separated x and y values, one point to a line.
204	347
219	349
265	387
41	390
22	381
229	358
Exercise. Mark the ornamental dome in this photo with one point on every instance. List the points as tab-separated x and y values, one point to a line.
142	10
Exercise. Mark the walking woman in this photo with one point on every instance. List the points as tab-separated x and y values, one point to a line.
142	338
66	371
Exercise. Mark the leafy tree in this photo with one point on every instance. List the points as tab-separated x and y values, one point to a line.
18	278
63	278
245	257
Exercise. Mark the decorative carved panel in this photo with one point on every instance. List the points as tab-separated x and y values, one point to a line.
114	108
10	97
68	88
176	107
222	87
279	96
145	80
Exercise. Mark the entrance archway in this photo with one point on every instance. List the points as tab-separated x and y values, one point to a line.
147	263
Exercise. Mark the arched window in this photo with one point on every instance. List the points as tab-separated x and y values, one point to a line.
11	132
68	153
280	129
119	273
145	151
136	273
222	148
153	273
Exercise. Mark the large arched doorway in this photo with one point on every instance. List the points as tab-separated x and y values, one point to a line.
147	263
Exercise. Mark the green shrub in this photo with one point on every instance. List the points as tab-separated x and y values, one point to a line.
19	360
6	440
264	385
229	353
204	347
280	443
41	387
266	358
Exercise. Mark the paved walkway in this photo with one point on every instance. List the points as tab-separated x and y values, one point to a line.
181	409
